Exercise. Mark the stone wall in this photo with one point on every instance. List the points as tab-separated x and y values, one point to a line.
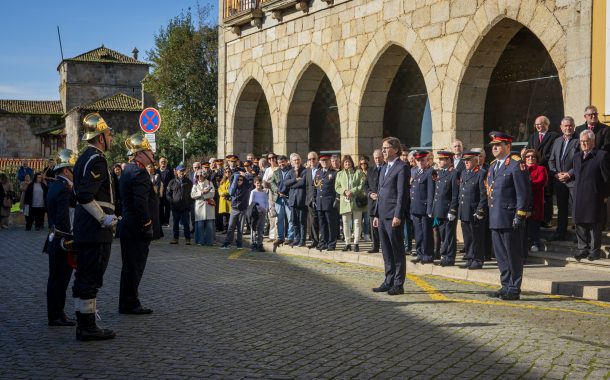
358	44
83	83
117	120
18	133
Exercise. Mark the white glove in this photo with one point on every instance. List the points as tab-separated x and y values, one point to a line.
479	217
109	221
430	216
451	217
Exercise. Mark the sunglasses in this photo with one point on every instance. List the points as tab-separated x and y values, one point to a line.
272	158
592	114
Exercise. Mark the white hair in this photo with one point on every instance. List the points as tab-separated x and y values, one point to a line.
294	155
589	133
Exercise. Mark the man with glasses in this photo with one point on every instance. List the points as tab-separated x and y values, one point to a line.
313	227
561	164
457	147
542	141
601	131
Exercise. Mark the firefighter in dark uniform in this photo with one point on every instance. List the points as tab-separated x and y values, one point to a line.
60	200
473	210
422	196
325	200
136	226
445	206
94	224
509	193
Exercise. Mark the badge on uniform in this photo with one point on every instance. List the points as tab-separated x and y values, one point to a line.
330	176
95	176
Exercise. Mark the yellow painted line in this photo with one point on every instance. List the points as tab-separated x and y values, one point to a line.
435	294
236	255
462	282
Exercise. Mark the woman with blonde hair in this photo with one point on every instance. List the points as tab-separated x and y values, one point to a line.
350	187
224	200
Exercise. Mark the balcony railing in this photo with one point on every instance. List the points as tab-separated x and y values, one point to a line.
233	8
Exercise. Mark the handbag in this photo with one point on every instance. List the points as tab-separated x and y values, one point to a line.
361	201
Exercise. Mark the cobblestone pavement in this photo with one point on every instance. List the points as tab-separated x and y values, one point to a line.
236	314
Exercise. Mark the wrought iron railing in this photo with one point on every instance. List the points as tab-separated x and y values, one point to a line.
235	7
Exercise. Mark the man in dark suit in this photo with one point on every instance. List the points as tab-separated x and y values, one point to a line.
166	174
542	140
591	174
392	199
313	228
372	180
601	130
457	147
561	164
295	182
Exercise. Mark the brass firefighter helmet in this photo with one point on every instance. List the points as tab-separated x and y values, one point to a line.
65	158
93	125
137	143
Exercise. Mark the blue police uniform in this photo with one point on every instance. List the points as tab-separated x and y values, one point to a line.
327	213
509	194
422	197
59	200
445	202
472	213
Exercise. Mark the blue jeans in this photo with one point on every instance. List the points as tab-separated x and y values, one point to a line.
366	223
236	221
181	217
285	229
205	231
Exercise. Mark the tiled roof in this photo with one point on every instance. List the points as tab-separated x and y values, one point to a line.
103	54
31	107
117	102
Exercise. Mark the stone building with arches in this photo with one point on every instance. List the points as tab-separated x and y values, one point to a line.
339	75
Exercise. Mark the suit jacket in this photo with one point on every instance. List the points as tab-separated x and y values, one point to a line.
372	179
392	191
310	197
510	192
278	184
297	191
445	193
422	192
139	201
325	192
559	164
602	135
460	167
544	147
591	176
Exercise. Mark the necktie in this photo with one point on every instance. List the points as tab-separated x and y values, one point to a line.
540	137
591	127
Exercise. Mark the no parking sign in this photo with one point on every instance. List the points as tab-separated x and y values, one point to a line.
150	120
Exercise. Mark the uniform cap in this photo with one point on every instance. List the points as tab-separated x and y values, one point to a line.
247	163
470	155
500	137
421	154
445	154
205	164
232	157
324	157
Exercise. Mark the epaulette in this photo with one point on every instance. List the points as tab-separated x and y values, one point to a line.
516	157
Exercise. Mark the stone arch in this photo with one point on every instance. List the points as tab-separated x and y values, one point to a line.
250	85
477	52
373	79
309	68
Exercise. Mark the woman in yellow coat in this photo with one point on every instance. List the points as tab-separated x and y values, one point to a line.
350	185
224	201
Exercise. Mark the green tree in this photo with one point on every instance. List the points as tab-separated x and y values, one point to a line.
184	81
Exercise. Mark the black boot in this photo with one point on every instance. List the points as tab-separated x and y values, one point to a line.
87	329
347	248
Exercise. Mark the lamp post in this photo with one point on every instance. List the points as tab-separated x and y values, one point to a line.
183	141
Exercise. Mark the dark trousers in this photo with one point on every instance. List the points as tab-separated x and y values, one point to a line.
313	226
589	237
236	225
134	253
299	224
564	197
57	284
424	241
447	231
393	250
328	227
474	235
548	202
487	246
374	234
181	217
36	217
91	263
164	210
508	247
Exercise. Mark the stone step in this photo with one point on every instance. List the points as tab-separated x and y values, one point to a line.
537	277
563	257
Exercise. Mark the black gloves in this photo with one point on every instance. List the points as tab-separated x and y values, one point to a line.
518	222
147	230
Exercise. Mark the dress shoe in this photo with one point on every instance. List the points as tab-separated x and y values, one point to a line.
278	242
593	256
329	249
374	250
546	225
466	265
288	242
62	321
510	296
496	294
416	260
301	245
445	262
312	246
382	288
430	261
581	255
356	248
136	310
396	290
174	241
347	248
321	247
187	242
475	265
